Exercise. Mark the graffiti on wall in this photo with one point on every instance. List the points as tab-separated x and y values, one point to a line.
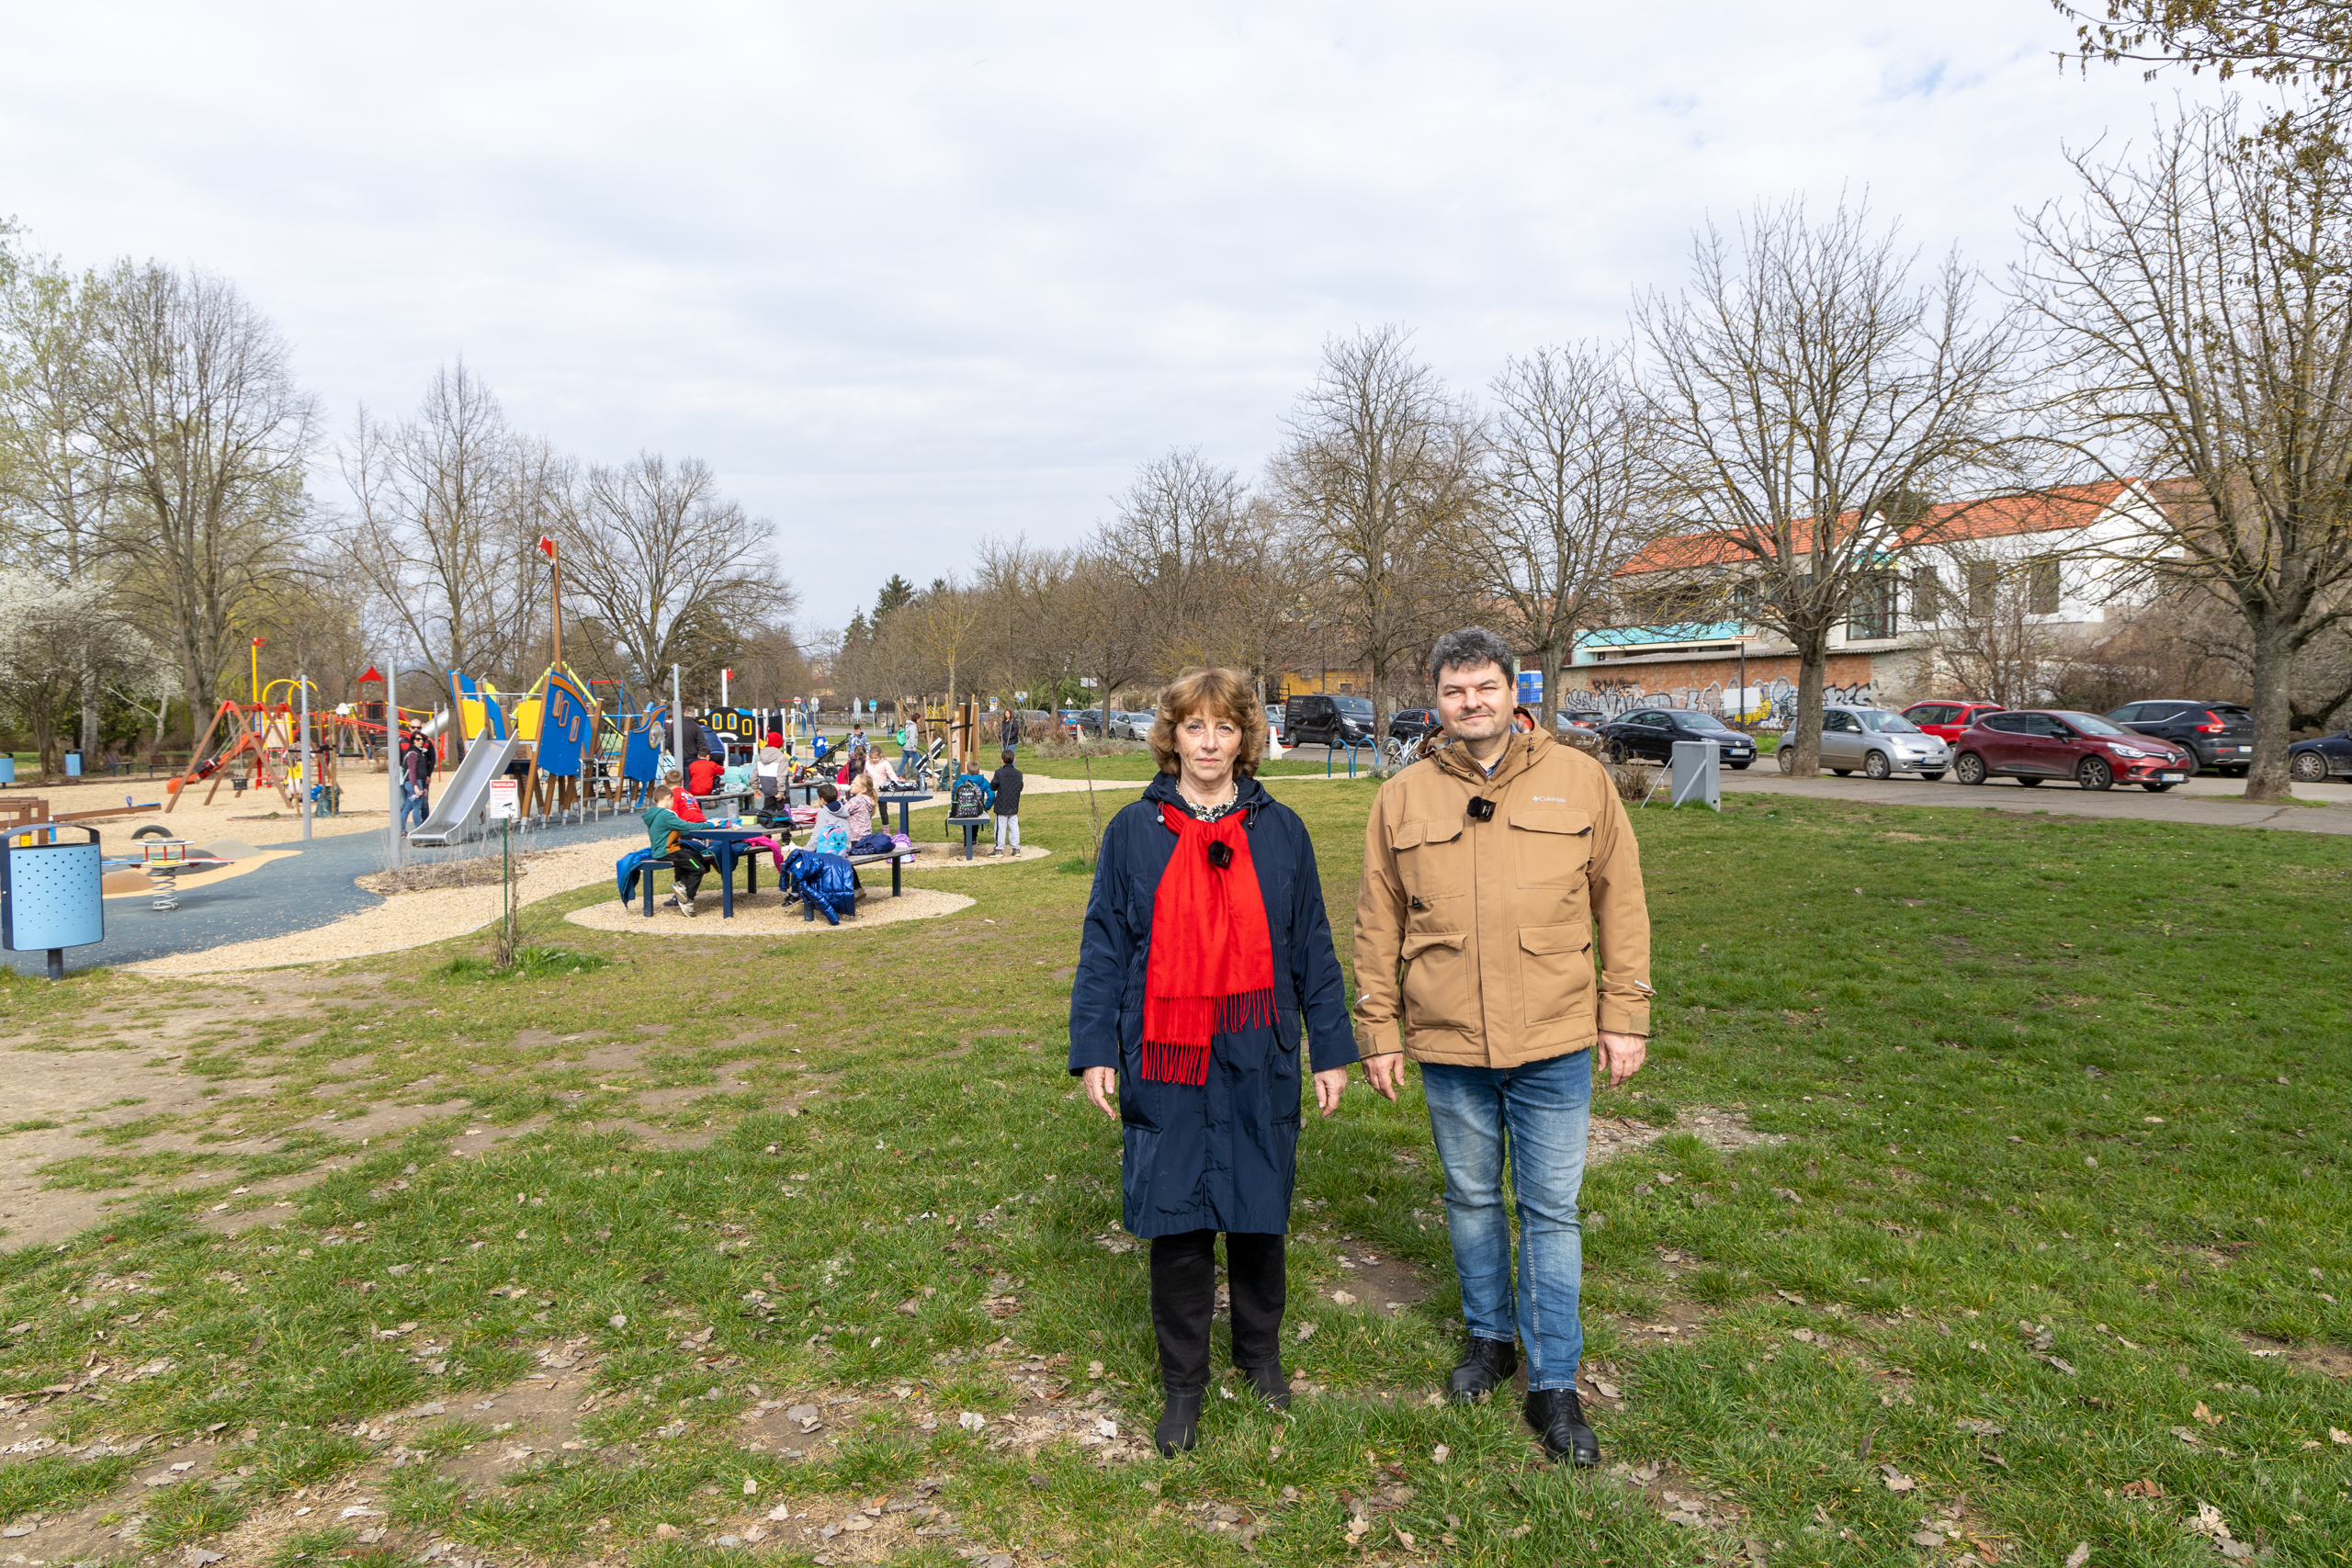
1618	698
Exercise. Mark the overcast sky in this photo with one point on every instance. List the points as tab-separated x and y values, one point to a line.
911	275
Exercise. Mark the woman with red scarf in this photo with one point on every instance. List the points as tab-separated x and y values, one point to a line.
1205	950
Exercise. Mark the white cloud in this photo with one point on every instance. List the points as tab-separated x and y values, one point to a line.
907	275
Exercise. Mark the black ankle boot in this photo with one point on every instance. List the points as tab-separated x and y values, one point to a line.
1179	1426
1485	1364
1558	1415
1271	1386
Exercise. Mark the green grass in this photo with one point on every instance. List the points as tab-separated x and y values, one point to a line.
1962	1024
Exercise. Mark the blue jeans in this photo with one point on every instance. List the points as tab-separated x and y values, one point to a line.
415	808
1545	1108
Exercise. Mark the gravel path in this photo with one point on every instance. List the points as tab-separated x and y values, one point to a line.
764	917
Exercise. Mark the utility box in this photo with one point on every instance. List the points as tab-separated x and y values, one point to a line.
49	893
1696	781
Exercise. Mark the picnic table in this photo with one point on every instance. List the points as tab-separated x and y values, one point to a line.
725	846
903	799
971	825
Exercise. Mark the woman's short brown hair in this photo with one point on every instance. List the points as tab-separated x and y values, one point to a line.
1222	694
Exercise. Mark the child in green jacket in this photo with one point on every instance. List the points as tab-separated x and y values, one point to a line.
665	831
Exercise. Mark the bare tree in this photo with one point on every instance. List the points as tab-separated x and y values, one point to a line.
1174	541
1378	477
448	504
2201	304
1808	393
207	436
1566	504
654	540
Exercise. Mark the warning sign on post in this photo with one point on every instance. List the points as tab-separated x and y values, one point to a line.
505	803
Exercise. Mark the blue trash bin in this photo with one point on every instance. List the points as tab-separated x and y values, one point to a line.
8	770
51	893
73	764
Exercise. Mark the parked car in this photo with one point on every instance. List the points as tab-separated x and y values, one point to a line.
1411	724
1090	722
2033	744
1877	742
2315	760
1316	719
1945	720
2218	736
1275	722
1650	734
1588	720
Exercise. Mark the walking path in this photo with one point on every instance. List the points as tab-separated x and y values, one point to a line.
2317	809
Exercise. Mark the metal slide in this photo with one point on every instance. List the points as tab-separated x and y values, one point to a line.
467	791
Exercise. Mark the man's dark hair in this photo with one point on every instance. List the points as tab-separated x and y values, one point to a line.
1008	758
1467	649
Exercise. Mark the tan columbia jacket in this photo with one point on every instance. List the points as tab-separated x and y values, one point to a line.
1491	922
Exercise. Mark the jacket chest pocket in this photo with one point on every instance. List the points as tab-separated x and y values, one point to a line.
1552	846
1434	864
1554	971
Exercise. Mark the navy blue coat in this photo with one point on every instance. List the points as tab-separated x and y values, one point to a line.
1221	1156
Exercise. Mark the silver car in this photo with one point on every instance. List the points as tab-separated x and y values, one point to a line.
1873	741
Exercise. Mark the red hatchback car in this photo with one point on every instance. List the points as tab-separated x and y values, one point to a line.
1945	720
2030	745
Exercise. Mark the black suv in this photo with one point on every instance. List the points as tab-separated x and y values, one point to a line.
1650	734
1316	719
2218	736
1411	724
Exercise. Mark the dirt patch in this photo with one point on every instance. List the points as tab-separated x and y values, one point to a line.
1376	1281
2327	1361
1726	1130
77	1091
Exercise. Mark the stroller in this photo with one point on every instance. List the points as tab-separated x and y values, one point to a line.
929	764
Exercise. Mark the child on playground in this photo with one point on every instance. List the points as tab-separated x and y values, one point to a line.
835	828
768	773
863	805
737	779
970	795
665	831
702	776
1006	788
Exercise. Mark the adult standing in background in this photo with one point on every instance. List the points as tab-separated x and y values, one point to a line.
1488	867
416	768
1206	948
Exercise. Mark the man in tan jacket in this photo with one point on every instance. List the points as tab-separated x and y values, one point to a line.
1488	868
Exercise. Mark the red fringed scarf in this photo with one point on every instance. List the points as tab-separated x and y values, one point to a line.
1212	964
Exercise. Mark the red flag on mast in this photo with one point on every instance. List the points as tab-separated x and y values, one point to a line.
546	546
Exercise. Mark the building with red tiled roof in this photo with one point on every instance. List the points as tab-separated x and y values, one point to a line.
2047	565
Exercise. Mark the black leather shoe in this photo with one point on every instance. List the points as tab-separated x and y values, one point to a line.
1485	1364
1179	1425
1558	1415
1271	1386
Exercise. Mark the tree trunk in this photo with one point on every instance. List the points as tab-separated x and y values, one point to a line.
1548	659
1813	674
1379	663
2274	668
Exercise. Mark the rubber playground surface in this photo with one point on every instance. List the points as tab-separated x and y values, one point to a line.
299	892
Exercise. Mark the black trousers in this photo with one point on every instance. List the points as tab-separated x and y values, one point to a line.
686	870
1183	1300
